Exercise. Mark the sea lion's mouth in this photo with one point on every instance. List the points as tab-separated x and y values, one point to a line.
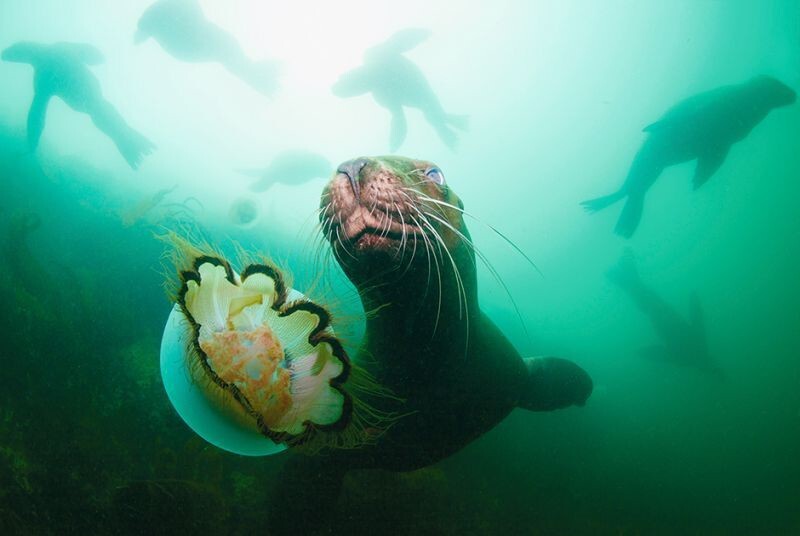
361	230
380	240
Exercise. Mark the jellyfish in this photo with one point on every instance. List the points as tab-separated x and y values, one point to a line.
138	212
153	210
244	212
254	367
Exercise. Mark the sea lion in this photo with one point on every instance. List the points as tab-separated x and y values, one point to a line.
702	128
291	167
396	229
396	82
184	32
683	343
61	70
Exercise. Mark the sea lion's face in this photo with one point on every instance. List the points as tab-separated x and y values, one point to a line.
388	212
775	92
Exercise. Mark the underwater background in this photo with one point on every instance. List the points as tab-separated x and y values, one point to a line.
557	95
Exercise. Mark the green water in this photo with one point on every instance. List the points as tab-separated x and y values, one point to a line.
557	94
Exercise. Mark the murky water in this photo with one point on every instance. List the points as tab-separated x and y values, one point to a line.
119	120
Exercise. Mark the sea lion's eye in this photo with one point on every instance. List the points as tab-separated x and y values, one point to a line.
435	174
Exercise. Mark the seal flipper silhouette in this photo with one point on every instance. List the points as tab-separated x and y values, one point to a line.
630	216
36	118
398	129
644	172
708	163
401	41
702	127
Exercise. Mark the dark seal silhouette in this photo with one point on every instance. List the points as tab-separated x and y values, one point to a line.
397	83
184	32
683	342
62	70
396	229
702	128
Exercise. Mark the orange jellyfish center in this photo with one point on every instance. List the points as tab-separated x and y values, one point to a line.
253	362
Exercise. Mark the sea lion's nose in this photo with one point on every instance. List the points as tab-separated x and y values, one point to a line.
352	168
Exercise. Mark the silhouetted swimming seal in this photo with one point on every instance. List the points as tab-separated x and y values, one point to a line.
397	231
183	31
703	127
396	83
62	70
683	341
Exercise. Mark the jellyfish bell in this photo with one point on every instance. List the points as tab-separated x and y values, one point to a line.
244	212
254	367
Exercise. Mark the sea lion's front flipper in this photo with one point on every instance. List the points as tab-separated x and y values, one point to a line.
708	164
399	128
554	383
403	41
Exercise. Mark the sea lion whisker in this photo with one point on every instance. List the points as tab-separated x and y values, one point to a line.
463	307
462	298
387	221
427	251
469	243
413	254
475	249
490	226
323	210
341	224
342	246
431	253
420	197
417	183
491	269
481	256
403	235
324	218
462	294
